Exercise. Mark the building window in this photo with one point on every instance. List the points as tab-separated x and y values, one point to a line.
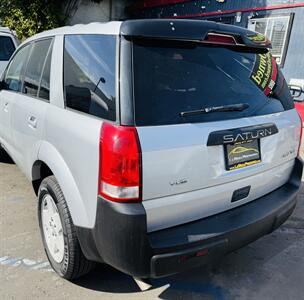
277	30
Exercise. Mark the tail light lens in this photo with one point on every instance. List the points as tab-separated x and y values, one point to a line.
217	38
120	164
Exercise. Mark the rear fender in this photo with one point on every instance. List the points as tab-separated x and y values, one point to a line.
51	157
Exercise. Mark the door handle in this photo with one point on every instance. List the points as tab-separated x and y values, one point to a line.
6	106
32	122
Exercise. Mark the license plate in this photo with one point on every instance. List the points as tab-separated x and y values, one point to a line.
243	154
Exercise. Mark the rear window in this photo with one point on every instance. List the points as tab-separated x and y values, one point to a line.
171	78
7	48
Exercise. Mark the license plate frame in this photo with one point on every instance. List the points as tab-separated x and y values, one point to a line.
243	154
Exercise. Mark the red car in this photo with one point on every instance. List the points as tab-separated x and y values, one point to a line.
299	105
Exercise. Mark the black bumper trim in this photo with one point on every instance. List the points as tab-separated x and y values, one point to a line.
232	230
120	236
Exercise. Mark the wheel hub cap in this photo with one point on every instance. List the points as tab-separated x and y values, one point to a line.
52	228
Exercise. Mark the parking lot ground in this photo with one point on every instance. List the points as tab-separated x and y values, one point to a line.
270	268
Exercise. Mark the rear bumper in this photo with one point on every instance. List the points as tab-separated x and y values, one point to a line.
120	236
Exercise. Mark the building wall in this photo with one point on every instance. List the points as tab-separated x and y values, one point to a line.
197	8
226	12
104	11
91	12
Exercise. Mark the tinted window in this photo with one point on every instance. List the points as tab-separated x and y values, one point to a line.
7	48
190	77
44	91
35	66
89	74
13	77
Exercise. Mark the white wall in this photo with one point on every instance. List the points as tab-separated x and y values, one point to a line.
104	11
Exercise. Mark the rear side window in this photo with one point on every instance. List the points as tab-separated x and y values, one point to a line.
7	48
189	77
13	77
89	74
35	67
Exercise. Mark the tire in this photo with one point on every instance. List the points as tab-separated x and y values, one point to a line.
64	255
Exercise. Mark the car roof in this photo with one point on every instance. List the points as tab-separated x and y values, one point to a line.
143	27
112	28
180	29
5	31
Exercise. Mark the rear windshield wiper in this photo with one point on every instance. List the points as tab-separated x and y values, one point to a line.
224	108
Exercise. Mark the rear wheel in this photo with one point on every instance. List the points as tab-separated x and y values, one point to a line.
58	232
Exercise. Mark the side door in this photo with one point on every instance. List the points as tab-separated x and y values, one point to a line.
29	107
12	83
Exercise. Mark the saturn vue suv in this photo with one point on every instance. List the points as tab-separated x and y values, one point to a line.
154	146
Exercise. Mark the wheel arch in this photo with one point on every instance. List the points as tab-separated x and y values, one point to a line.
50	162
40	170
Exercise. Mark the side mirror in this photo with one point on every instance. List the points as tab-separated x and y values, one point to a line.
2	85
295	90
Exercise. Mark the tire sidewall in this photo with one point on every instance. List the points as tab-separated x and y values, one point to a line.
60	268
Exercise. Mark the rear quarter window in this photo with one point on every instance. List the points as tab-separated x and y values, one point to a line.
89	74
171	78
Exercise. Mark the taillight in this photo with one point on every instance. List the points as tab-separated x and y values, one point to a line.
119	164
217	38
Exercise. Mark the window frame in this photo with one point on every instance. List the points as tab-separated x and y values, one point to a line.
44	63
117	78
287	35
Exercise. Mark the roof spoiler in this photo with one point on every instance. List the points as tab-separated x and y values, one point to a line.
194	30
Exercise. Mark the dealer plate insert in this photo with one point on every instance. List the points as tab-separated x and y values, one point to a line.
240	155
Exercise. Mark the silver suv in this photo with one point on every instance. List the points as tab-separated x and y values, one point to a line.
154	146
